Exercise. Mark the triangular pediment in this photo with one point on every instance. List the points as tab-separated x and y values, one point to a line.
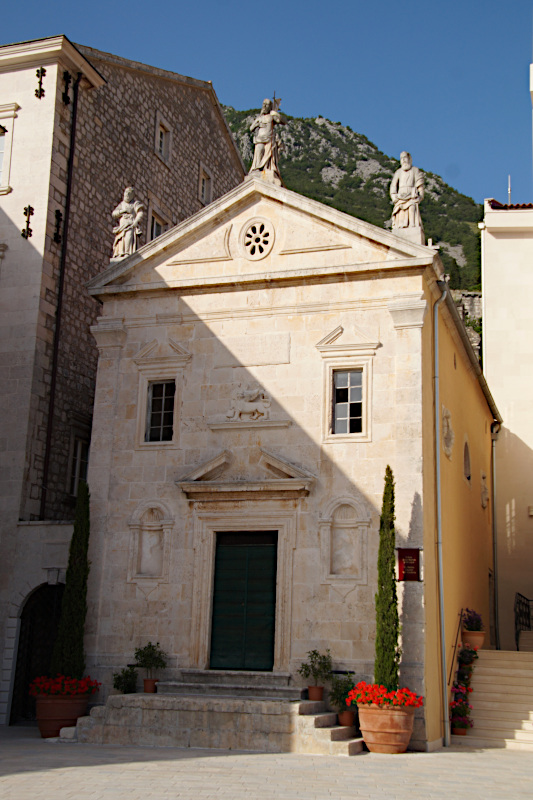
259	232
212	480
344	342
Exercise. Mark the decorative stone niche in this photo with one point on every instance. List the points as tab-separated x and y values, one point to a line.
344	542
151	526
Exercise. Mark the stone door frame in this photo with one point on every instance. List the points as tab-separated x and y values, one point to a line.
205	527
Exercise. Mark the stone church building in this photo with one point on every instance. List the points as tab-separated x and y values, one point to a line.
260	364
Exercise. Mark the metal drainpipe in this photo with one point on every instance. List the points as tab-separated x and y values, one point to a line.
444	287
59	307
494	431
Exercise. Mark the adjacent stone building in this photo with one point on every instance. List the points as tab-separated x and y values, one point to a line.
507	238
77	127
260	365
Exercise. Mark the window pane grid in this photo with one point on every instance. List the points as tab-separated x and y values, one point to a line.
160	427
347	401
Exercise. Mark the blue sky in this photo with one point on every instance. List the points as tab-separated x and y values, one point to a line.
448	81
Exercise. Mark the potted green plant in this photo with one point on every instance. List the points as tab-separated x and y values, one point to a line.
125	681
318	666
341	686
386	713
473	632
63	696
150	657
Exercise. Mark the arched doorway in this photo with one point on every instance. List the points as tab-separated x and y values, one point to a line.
38	630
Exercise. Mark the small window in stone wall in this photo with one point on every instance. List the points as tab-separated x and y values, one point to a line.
347	401
79	464
205	184
466	462
163	138
160	412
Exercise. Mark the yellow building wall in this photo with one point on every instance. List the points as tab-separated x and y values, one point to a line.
466	525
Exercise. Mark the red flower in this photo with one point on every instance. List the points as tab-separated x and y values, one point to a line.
373	693
61	685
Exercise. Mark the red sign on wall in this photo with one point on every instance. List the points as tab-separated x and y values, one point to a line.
408	564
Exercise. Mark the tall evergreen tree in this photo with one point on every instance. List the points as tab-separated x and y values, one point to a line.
69	656
387	620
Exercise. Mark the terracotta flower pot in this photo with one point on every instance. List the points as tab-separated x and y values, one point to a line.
149	685
386	729
458	731
473	638
59	711
315	692
346	718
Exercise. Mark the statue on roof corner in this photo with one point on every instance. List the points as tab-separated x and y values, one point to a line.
267	142
129	214
406	191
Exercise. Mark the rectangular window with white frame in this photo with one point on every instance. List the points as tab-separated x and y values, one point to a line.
347	396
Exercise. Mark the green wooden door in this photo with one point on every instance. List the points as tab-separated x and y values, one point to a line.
244	601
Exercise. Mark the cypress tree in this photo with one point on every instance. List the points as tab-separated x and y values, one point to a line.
387	620
68	657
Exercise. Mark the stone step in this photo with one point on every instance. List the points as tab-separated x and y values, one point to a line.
326	719
473	740
503	710
235	677
311	707
497	689
503	656
503	673
230	690
502	726
525	642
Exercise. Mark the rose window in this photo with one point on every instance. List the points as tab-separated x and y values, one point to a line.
257	239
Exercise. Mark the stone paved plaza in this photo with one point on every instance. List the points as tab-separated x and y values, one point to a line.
33	768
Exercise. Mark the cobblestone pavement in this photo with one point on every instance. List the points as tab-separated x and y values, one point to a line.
33	768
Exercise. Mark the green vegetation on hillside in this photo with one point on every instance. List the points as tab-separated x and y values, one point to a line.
329	162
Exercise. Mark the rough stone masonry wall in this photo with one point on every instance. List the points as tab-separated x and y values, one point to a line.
115	147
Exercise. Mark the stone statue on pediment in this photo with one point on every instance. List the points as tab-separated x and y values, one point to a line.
406	191
129	214
267	143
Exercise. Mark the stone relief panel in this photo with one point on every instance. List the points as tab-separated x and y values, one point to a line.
249	402
150	526
344	542
448	436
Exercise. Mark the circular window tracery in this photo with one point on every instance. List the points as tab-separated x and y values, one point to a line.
257	238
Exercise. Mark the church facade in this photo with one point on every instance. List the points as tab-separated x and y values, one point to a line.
260	364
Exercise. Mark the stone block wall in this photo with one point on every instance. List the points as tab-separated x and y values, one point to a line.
115	147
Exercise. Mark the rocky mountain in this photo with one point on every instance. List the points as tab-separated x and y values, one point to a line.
329	162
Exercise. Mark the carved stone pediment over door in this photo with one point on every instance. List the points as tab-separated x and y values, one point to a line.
215	511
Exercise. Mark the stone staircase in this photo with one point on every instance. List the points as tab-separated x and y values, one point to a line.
502	701
253	711
227	683
319	734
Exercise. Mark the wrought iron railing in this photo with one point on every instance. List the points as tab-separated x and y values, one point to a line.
523	609
454	653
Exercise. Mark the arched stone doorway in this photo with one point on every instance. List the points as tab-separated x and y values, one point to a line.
38	630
